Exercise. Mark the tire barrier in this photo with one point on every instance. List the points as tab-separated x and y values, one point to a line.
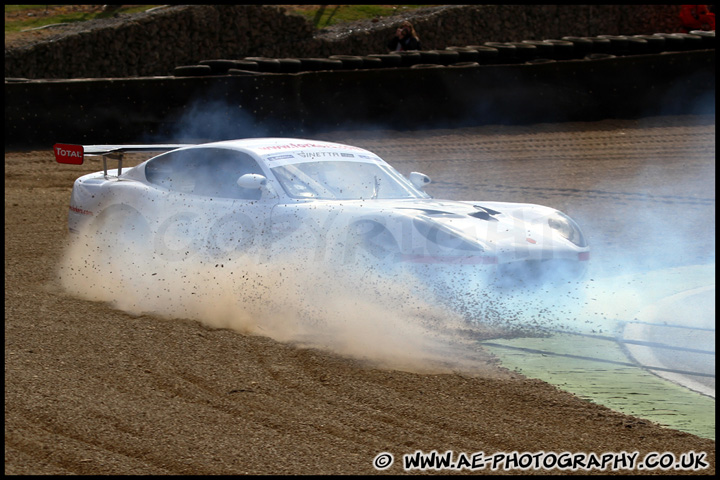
448	57
506	51
618	44
691	42
185	107
486	55
270	65
524	52
708	38
562	50
465	64
290	65
600	45
350	62
535	61
370	62
466	54
387	59
637	46
237	71
599	56
192	71
581	45
655	44
408	59
430	57
544	49
490	53
221	67
318	64
673	42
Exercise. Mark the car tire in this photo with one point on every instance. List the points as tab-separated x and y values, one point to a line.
313	64
269	65
388	60
290	65
192	71
350	62
507	53
486	55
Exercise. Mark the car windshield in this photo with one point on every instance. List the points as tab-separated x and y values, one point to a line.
344	180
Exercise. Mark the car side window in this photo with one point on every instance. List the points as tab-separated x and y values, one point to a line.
210	172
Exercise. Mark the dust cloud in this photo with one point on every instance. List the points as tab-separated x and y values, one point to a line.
387	320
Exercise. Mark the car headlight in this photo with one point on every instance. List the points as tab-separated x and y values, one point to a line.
566	227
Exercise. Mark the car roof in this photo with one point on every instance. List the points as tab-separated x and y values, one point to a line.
267	146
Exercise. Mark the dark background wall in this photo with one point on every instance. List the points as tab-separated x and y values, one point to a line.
124	107
153	43
190	109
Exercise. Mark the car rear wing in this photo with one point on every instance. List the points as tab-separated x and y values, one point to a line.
75	154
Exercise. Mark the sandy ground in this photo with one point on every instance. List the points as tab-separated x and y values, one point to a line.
91	389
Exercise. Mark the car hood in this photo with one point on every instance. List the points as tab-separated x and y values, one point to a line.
505	231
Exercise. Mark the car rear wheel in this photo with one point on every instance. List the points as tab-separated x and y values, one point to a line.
120	230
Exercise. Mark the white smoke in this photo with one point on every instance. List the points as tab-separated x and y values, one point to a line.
353	310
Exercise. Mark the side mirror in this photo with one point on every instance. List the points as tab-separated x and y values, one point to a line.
420	180
252	181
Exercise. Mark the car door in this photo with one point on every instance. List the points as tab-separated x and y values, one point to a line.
202	210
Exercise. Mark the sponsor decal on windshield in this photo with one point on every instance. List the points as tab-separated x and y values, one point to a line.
279	157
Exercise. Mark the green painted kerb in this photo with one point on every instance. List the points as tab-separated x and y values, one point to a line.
598	370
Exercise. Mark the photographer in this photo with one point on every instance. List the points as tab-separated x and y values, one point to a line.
406	38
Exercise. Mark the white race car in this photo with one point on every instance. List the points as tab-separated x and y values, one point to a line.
335	202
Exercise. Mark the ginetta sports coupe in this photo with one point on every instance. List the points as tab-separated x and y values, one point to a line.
336	202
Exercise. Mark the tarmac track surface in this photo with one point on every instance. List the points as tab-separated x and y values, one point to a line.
93	390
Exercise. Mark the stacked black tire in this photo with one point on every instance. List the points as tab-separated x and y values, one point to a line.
489	53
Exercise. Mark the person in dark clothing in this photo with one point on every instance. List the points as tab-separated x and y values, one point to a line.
406	38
